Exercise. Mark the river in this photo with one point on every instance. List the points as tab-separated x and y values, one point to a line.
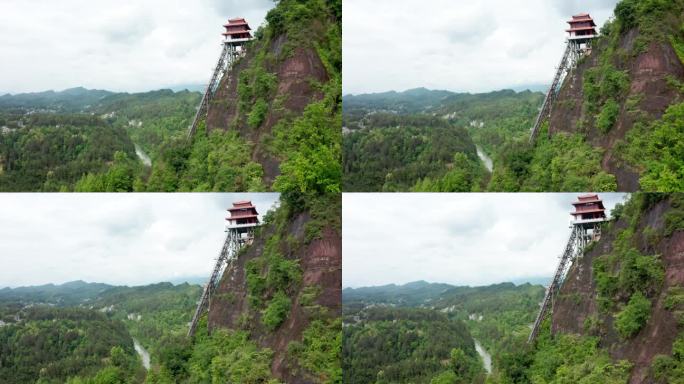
143	156
486	357
485	159
144	355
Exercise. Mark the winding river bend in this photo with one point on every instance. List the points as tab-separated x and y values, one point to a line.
486	357
144	355
485	159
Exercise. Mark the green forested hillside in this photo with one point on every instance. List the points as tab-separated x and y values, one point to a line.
424	140
389	345
497	316
52	141
414	152
74	345
155	315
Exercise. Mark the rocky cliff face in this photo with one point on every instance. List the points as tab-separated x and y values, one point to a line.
316	295
283	68
648	55
578	310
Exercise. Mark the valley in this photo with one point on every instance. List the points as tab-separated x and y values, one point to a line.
614	122
616	316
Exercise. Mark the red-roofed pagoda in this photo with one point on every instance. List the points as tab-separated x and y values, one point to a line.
243	214
588	216
589	207
582	28
237	32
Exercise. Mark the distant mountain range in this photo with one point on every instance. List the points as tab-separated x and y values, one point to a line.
76	99
420	292
71	293
423	100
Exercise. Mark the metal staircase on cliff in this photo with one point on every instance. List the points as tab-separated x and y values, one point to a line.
561	270
550	98
236	36
226	256
242	222
581	34
589	215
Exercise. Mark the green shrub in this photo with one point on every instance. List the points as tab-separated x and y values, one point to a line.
640	273
276	311
606	119
634	316
257	114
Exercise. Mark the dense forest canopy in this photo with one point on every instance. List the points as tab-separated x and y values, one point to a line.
497	316
81	332
424	140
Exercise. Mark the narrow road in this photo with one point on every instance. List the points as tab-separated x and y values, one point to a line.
486	357
144	355
485	159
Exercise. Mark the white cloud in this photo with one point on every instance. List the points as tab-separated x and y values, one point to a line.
113	238
462	239
116	45
457	45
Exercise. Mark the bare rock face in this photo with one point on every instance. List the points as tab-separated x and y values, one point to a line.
321	264
296	72
577	298
648	73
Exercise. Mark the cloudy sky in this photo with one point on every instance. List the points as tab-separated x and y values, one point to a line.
119	45
457	45
127	239
462	239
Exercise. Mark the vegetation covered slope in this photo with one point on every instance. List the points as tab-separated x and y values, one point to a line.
276	309
617	123
618	316
409	345
86	140
58	345
411	152
425	140
276	112
497	316
155	315
627	290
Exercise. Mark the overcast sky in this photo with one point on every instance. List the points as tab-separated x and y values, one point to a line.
129	238
119	45
462	239
457	45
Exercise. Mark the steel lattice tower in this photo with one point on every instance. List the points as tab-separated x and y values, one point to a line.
589	216
242	222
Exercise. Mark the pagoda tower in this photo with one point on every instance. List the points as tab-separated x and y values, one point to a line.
242	221
237	32
235	38
580	35
588	216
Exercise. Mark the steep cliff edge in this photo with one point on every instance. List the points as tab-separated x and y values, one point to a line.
626	289
287	67
634	72
285	291
275	121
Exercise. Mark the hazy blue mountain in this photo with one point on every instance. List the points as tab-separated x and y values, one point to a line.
70	293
